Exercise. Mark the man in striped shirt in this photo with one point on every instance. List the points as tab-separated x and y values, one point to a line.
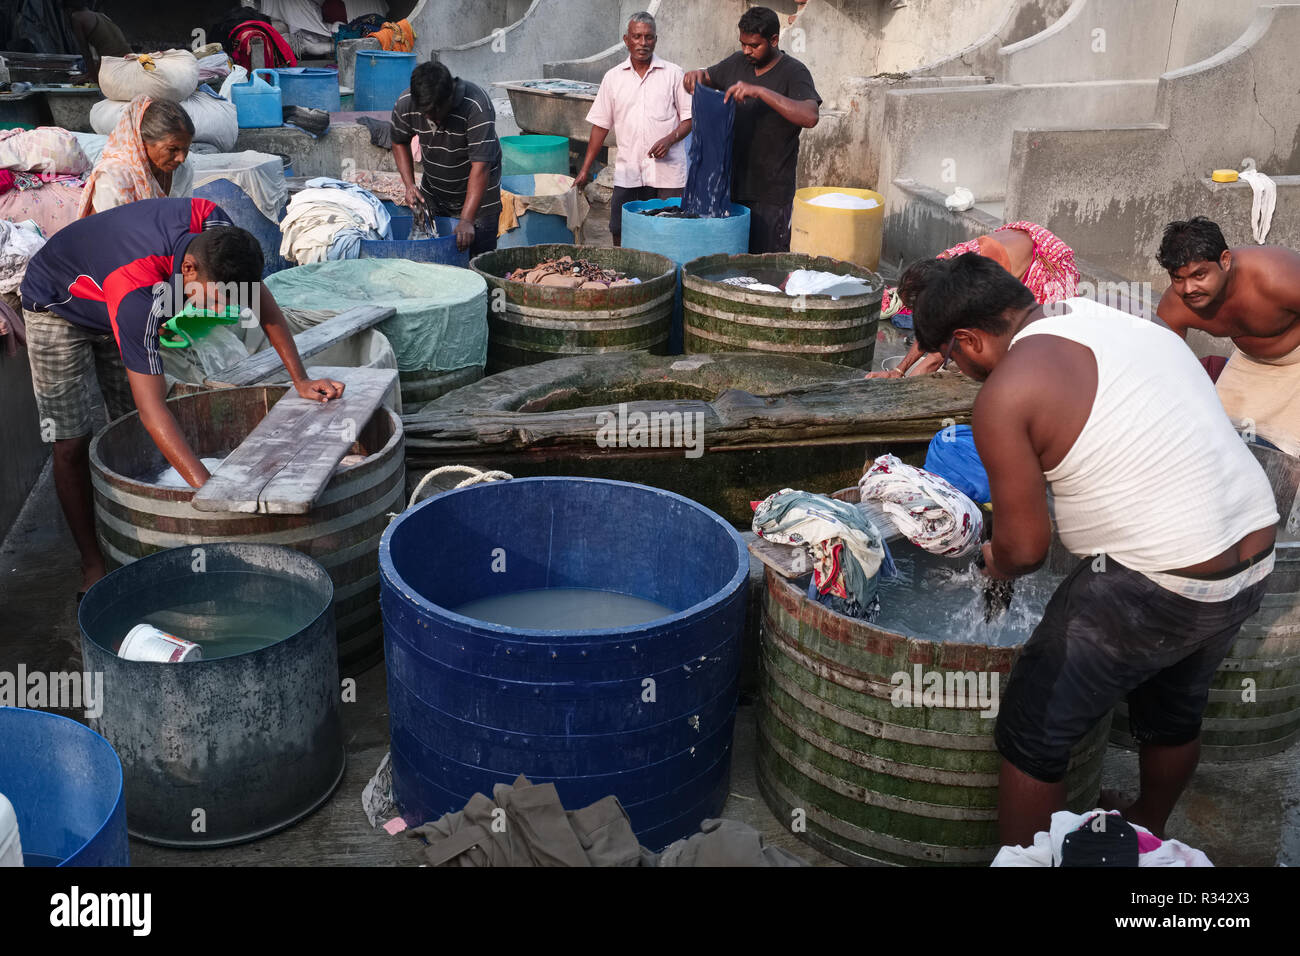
460	153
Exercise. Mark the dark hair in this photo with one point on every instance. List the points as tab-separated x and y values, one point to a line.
1195	240
228	254
165	118
762	21
914	278
431	87
965	292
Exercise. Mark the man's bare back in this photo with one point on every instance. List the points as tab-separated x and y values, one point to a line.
1258	307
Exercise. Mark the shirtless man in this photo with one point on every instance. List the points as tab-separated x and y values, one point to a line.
1173	517
1251	295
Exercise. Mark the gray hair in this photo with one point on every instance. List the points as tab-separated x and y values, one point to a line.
164	119
642	17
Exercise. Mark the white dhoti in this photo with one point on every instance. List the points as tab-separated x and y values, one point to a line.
1264	397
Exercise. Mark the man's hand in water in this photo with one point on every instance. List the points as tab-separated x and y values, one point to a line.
413	196
320	389
989	568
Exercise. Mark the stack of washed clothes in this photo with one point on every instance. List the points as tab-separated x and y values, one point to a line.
328	220
42	172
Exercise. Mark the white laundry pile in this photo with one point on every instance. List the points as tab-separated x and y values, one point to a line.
925	508
260	175
843	201
19	241
806	282
750	284
328	220
1046	851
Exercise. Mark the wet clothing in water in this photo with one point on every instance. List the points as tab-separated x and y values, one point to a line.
624	195
766	150
468	135
708	184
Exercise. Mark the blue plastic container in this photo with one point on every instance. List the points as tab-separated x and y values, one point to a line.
535	228
65	783
306	86
245	214
382	76
530	153
683	240
259	104
441	250
473	704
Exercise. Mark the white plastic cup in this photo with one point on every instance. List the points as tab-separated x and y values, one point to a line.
144	642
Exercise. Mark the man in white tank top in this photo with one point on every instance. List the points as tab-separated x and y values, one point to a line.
1150	483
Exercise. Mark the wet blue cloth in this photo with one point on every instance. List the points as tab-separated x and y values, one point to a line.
708	178
952	456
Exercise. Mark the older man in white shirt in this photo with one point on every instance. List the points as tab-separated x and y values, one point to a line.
644	102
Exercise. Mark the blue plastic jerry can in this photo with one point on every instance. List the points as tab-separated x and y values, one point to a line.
257	102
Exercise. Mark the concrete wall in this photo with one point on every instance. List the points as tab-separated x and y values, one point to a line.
946	138
345	142
23	453
545	30
1109	192
1122	40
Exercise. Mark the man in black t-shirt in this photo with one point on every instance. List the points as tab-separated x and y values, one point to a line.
775	99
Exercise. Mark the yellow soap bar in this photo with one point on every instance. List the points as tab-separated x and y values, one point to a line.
1224	176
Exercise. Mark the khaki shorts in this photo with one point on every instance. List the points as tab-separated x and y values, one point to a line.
62	356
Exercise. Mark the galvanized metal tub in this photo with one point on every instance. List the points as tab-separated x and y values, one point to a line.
222	751
725	318
342	531
1254	707
530	323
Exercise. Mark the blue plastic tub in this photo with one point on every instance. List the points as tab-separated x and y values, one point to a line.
473	704
683	240
535	228
306	86
382	76
442	250
65	783
245	214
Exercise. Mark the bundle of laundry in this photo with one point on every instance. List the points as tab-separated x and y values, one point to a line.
927	510
311	121
216	120
41	177
1051	848
396	37
953	457
328	220
236	32
47	150
19	241
167	75
848	552
806	282
214	67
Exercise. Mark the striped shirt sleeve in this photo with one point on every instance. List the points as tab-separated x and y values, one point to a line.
403	132
481	131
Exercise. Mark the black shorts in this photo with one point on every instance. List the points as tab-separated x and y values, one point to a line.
1108	635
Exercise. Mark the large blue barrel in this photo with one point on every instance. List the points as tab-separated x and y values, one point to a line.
382	76
473	704
65	784
246	215
683	240
535	228
306	86
442	249
246	744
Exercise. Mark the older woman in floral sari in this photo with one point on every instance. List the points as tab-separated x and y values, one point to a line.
143	159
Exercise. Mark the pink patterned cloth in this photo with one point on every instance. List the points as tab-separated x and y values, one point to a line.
1052	275
51	207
